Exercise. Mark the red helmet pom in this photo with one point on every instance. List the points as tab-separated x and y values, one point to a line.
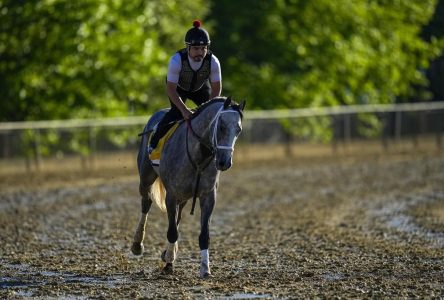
197	23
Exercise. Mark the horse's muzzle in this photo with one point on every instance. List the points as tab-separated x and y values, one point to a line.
223	162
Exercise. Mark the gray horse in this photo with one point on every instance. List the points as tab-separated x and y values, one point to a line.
190	165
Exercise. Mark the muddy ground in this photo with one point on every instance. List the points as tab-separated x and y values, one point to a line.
358	226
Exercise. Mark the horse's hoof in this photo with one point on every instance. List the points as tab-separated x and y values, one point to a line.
137	248
163	255
168	269
206	275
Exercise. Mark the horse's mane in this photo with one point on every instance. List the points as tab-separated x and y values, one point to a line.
234	105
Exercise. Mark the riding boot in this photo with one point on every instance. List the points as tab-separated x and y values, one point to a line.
162	128
158	134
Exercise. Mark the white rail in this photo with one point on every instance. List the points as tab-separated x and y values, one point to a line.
341	110
74	123
249	114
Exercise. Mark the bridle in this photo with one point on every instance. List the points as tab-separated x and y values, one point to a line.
214	145
214	139
212	148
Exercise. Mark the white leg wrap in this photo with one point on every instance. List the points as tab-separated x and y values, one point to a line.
171	251
204	263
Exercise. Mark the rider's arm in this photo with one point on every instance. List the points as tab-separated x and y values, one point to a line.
215	77
216	88
175	98
172	80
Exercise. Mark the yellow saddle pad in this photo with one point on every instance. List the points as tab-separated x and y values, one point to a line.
156	153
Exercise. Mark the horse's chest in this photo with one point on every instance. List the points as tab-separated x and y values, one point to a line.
183	186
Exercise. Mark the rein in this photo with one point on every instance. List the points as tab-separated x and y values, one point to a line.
207	160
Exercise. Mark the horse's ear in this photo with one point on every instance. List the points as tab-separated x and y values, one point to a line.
242	105
227	102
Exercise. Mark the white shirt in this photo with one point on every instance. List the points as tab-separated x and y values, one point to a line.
176	65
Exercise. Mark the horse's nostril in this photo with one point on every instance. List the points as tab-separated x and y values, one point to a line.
223	164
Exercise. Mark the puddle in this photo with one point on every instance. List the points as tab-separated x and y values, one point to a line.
395	217
238	296
333	276
8	282
40	278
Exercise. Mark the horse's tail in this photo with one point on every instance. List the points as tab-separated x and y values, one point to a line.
158	194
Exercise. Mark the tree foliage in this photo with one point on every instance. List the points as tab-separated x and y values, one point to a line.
88	58
297	53
92	58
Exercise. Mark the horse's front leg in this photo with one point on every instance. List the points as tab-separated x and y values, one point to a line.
169	255
207	204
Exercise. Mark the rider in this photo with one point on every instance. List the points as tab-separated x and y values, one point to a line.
193	73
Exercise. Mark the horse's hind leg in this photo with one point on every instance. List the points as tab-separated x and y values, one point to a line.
174	213
147	178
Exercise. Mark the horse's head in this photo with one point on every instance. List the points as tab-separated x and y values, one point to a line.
227	127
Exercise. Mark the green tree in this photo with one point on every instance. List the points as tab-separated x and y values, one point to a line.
435	30
88	58
297	53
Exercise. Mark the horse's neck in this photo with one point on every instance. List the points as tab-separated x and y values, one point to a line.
202	122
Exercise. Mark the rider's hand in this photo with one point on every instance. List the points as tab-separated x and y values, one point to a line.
187	114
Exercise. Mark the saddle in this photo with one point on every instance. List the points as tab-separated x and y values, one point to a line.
156	153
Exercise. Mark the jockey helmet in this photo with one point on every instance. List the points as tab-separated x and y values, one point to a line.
197	36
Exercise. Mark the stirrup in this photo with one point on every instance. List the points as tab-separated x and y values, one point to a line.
150	149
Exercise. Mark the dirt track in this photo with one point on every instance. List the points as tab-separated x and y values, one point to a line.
362	226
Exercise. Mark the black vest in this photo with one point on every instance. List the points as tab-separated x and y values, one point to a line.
190	80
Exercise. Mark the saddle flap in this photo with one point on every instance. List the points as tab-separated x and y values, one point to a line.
155	155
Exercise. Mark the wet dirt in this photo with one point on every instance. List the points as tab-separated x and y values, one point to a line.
358	226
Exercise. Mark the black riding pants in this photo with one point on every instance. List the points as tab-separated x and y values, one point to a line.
198	97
